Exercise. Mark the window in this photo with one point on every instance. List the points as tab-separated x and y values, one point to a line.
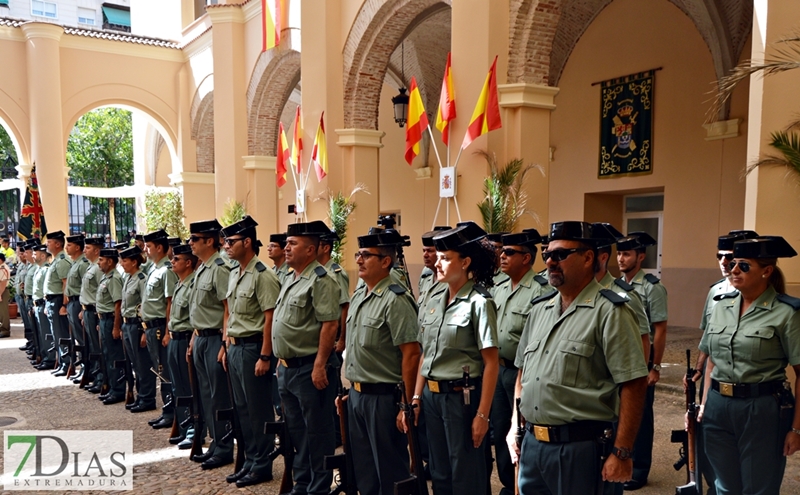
44	9
645	213
86	16
116	17
3	3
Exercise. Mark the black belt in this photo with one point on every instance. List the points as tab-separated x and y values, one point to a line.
375	388
132	320
38	302
73	298
158	322
580	431
746	390
253	339
53	297
180	335
106	316
297	362
507	363
89	307
207	332
448	386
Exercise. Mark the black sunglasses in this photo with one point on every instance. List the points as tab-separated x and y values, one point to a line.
512	252
198	238
366	255
559	255
727	256
231	242
744	266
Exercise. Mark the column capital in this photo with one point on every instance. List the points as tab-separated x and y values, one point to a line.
723	129
224	13
366	138
33	30
23	170
180	178
256	162
527	95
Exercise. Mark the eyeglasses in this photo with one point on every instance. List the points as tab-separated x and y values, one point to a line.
196	238
176	259
366	255
559	255
512	252
744	266
231	242
727	256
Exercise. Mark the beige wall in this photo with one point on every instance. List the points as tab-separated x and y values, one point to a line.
703	196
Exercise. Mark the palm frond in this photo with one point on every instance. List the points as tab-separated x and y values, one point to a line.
505	200
340	208
788	144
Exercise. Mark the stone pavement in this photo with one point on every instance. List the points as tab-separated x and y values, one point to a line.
40	401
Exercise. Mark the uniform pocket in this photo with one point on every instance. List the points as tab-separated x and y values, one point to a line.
295	309
716	338
574	356
243	298
762	343
459	332
371	336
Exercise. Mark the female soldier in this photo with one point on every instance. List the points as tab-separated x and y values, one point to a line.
751	422
459	364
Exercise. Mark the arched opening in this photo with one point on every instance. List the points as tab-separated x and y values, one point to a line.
11	189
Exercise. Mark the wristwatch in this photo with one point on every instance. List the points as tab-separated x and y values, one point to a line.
622	453
657	367
264	357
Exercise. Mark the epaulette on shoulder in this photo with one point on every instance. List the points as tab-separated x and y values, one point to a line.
623	284
168	264
85	260
219	262
480	289
320	271
791	301
426	274
544	297
717	282
727	295
290	270
336	268
540	279
141	276
260	267
613	297
652	278
397	289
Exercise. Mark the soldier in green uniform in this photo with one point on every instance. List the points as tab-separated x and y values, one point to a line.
156	305
338	273
751	421
513	299
207	307
382	352
55	283
277	243
496	238
36	287
459	367
252	292
28	297
88	301
72	294
180	330
581	369
138	241
109	304
428	280
631	253
303	332
19	283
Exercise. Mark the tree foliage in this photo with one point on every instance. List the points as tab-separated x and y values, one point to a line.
6	146
232	213
340	207
164	210
505	200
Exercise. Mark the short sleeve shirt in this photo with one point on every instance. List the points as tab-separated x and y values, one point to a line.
19	278
75	276
38	281
654	298
342	279
251	292
573	362
721	287
378	322
210	289
179	314
429	286
133	294
56	273
634	301
453	334
160	286
513	306
284	273
29	285
109	291
91	279
304	303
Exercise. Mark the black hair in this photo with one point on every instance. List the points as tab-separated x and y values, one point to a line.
164	243
389	251
2	257
483	262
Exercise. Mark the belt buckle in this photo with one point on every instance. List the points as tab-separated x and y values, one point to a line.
542	433
233	340
433	386
357	386
726	389
283	362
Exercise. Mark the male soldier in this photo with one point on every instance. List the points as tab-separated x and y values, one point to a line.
109	303
383	351
28	307
513	298
428	280
156	304
277	243
5	298
180	329
172	242
55	283
72	294
207	308
496	238
19	290
88	300
133	290
324	259
631	252
581	368
252	291
138	241
303	332
37	294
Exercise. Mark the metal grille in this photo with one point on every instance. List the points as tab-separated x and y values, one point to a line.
9	213
92	216
7	170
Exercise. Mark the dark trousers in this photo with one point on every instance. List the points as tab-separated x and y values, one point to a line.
502	409
158	358
20	300
560	468
457	468
59	327
112	351
703	465
308	413
252	395
90	324
73	312
48	350
179	376
214	392
643	446
379	449
140	361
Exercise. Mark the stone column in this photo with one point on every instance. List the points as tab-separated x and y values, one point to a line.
48	149
262	194
196	189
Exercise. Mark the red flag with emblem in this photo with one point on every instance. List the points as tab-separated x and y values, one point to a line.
31	217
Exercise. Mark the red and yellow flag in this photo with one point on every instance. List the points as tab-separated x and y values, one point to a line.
447	104
486	116
319	153
281	166
417	122
271	29
297	140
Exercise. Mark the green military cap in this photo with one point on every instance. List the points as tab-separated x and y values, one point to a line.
763	247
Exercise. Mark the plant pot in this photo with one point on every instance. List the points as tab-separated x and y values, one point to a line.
13	311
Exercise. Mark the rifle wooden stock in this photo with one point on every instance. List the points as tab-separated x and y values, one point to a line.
687	438
103	367
232	417
286	449
197	420
127	375
67	348
415	484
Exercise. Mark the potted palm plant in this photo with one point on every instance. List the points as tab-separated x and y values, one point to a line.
13	310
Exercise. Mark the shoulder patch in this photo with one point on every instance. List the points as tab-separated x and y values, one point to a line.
219	261
260	267
426	274
791	301
141	275
335	267
168	264
728	295
623	284
540	279
480	289
397	289
320	271
85	260
651	278
613	297
290	270
544	297
717	282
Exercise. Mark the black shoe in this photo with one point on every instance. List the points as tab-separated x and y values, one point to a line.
154	421
142	408
131	405
185	444
94	389
44	366
202	457
176	440
164	423
25	347
633	485
60	372
253	479
76	377
113	400
232	478
214	462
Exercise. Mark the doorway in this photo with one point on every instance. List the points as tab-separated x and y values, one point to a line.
645	213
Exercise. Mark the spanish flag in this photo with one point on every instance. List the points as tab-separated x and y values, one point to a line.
270	29
283	157
297	140
319	153
417	122
486	116
447	104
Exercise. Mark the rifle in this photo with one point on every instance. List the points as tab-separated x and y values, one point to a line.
37	346
687	438
520	435
126	373
343	462
232	418
67	349
103	368
91	358
175	430
415	484
284	447
194	407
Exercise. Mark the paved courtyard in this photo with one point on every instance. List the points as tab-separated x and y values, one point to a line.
40	401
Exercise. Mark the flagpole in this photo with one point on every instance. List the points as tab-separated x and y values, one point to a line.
448	145
435	148
436	215
458	157
455	202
